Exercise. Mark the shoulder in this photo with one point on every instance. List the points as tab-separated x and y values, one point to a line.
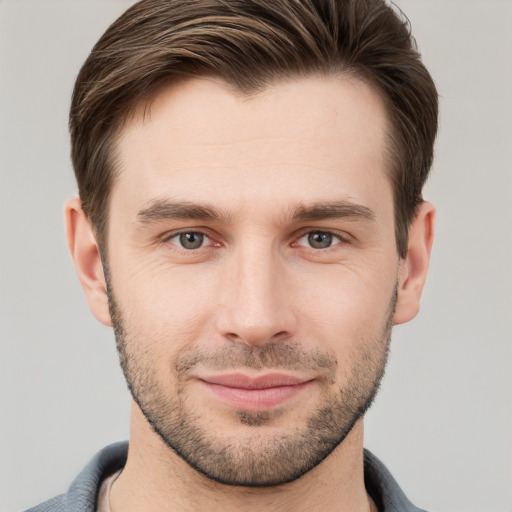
56	504
82	493
383	488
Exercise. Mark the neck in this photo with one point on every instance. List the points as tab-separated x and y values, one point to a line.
156	479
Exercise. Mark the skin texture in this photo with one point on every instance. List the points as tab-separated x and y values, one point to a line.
286	198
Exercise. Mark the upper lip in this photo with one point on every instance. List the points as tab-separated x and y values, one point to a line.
242	381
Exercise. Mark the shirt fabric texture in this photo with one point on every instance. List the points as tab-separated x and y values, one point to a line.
82	493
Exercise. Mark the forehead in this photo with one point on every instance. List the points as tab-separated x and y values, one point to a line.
316	137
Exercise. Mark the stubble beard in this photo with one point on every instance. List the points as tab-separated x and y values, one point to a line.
263	459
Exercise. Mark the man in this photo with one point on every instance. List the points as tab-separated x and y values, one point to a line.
251	224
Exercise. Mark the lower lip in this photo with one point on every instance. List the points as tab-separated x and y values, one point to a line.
255	399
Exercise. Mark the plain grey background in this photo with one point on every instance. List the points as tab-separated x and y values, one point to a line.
443	420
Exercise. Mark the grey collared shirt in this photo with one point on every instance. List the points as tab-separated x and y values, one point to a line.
82	493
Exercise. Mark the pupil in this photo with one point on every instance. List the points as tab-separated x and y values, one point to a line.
191	240
320	240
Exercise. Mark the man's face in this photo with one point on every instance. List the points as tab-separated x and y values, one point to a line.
253	269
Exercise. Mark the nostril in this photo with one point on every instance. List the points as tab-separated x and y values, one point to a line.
231	336
257	337
280	335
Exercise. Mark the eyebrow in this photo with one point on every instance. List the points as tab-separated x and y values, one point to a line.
165	209
332	210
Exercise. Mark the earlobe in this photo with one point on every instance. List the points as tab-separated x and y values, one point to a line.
414	267
85	253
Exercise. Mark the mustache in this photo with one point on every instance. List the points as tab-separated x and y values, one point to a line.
273	355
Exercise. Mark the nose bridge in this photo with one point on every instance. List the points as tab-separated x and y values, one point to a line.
257	308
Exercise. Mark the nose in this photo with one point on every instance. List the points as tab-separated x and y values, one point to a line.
256	306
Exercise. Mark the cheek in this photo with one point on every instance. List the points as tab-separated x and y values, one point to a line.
164	309
344	307
169	308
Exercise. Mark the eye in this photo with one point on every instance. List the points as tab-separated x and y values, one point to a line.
319	239
189	240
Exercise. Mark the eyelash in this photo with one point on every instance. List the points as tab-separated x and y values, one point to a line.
170	236
335	234
343	239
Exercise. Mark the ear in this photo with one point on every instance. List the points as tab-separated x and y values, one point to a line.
414	267
84	251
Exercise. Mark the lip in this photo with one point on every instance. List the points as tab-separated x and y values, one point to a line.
257	393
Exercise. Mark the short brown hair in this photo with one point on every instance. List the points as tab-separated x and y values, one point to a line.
250	44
